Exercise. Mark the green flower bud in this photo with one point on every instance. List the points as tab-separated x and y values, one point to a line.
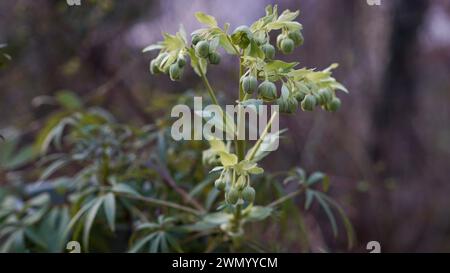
301	91
292	105
214	58
260	40
242	36
319	99
326	95
287	46
269	51
280	38
175	72
283	105
334	105
181	61
308	103
195	39
154	69
249	84
202	49
267	90
297	37
241	182
232	196
248	194
220	184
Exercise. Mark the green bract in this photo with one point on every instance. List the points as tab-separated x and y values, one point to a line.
242	36
241	182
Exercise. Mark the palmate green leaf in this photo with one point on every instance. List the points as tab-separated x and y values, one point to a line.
173	243
206	19
315	177
109	206
52	168
157	46
217	218
22	157
14	243
347	224
68	100
254	50
325	203
277	67
141	242
309	198
325	206
155	243
226	44
34	237
258	213
53	132
90	217
124	188
78	215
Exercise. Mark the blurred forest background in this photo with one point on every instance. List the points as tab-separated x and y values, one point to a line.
387	150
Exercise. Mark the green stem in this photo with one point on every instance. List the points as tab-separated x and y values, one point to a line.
263	135
160	203
240	144
208	86
285	198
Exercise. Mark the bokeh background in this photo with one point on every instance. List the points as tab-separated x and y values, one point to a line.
387	150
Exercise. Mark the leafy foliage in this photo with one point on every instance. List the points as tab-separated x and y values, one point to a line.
153	194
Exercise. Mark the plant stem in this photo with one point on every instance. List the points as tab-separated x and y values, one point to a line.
285	198
160	203
240	147
208	86
261	138
240	144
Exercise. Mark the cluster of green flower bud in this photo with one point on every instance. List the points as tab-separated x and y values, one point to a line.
204	50
310	96
287	105
175	70
286	42
266	90
239	190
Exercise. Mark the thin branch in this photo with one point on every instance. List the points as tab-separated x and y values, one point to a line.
208	86
285	198
263	135
168	180
160	203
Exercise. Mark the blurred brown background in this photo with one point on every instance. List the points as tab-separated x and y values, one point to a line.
387	150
